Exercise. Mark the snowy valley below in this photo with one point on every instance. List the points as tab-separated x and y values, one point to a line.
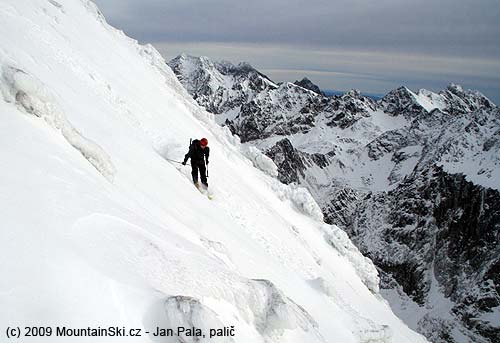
413	178
100	228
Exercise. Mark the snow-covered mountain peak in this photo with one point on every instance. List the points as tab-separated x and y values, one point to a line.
452	100
219	85
227	67
355	93
294	87
357	99
455	88
403	101
308	84
460	101
203	63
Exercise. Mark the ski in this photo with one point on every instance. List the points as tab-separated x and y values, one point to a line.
204	191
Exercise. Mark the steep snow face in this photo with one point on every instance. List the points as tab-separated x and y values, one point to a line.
398	176
100	228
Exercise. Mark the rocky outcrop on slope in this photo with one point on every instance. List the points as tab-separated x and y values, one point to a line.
437	231
292	163
286	110
349	108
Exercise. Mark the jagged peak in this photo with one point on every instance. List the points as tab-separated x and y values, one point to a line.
403	100
309	85
245	65
184	58
291	85
223	66
473	99
401	90
226	67
205	59
455	88
400	93
354	93
304	80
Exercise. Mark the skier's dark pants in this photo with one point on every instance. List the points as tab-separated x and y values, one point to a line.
195	166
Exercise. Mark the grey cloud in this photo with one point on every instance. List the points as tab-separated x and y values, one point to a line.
443	27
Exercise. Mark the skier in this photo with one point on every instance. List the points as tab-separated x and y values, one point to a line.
198	152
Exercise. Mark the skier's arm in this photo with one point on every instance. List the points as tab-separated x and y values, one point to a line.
189	154
207	153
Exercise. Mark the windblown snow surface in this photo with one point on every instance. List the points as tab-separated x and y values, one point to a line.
99	228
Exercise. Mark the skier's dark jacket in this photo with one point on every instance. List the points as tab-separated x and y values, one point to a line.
197	154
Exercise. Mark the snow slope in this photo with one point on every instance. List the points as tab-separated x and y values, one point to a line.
100	229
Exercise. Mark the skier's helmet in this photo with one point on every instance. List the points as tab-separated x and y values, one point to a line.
204	142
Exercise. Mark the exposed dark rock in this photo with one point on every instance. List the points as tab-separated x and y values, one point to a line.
448	229
308	84
401	101
341	206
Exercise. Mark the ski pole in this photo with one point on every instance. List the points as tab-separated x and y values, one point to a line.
168	159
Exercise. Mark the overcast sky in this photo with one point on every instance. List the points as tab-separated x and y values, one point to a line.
370	45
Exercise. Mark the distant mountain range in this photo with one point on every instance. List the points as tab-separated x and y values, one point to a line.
412	177
331	92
